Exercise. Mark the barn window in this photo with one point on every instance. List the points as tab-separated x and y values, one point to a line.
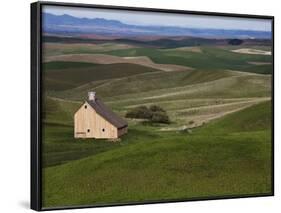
103	130
85	106
88	130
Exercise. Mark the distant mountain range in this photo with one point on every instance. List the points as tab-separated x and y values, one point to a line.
70	25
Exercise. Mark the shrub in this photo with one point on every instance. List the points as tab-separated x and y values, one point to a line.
139	112
154	113
155	108
160	117
191	122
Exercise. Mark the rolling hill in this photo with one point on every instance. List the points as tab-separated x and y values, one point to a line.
111	59
143	172
163	86
215	87
209	58
63	75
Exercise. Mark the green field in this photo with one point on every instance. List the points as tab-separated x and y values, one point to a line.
210	58
66	75
217	144
212	161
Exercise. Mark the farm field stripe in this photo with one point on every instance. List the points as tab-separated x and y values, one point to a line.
189	89
110	59
252	101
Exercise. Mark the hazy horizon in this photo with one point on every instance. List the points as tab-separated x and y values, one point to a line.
141	18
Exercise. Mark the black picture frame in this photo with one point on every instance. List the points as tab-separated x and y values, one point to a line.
36	100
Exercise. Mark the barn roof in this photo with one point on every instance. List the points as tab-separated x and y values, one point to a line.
107	114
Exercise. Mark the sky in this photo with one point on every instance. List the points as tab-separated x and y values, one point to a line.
163	19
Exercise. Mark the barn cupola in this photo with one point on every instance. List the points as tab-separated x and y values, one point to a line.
91	96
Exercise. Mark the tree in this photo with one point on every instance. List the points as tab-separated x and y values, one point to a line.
139	112
160	117
155	108
154	114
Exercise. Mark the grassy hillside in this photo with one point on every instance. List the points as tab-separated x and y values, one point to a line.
217	144
237	86
59	145
57	65
65	75
248	120
209	58
51	49
145	82
159	86
171	165
59	112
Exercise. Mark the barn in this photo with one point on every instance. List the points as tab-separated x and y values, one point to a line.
95	120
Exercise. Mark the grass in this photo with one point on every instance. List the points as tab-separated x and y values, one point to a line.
56	65
61	76
51	49
227	156
67	75
59	145
247	121
229	87
145	82
59	112
212	58
171	166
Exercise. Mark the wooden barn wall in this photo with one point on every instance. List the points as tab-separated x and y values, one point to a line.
85	119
